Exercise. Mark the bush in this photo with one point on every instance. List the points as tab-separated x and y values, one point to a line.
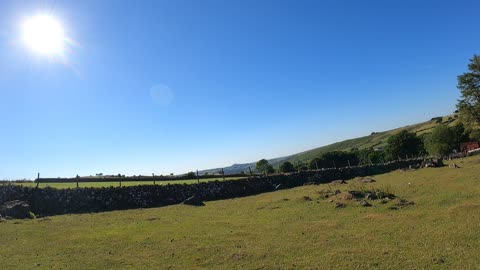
287	167
441	142
404	144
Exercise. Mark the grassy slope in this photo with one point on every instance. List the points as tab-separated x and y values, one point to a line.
269	232
376	140
125	183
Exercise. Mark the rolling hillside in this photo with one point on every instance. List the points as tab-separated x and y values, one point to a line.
378	139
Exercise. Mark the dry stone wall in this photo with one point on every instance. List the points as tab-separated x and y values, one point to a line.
49	201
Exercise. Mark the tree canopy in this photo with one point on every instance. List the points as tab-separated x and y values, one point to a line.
404	144
287	167
369	156
469	86
264	167
441	141
334	159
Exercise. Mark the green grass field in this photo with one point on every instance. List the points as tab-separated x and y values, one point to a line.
278	230
126	183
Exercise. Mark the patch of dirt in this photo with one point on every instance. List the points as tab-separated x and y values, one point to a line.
340	205
366	180
307	198
374	216
345	196
339	182
238	256
464	208
403	202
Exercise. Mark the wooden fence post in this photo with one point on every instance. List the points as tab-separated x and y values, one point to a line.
251	174
77	180
120	180
198	178
153	177
316	164
223	174
38	179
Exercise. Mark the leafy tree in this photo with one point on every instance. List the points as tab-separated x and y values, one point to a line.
404	144
270	169
191	175
264	167
469	86
301	167
369	155
334	159
460	134
287	167
312	165
475	135
441	141
339	159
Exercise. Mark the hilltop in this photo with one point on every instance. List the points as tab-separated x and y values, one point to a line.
375	140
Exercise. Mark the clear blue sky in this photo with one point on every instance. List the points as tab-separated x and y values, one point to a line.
247	79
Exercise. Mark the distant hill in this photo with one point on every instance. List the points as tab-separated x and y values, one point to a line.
375	140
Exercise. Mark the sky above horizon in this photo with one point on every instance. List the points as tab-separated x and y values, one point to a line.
174	86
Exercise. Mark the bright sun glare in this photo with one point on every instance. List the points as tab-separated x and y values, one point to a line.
44	35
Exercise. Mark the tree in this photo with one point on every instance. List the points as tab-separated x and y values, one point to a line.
334	159
469	86
191	175
264	167
475	135
316	163
441	141
404	144
369	156
301	167
270	169
287	167
460	134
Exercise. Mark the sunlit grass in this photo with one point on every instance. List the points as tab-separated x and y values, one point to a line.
277	230
126	183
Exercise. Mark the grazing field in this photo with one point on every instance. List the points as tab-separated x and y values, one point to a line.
289	229
126	183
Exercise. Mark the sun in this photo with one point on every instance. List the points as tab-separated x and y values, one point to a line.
44	35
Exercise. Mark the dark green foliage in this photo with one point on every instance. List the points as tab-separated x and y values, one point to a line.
369	156
460	134
301	167
404	144
191	175
474	136
287	167
334	159
469	86
441	141
264	167
437	120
